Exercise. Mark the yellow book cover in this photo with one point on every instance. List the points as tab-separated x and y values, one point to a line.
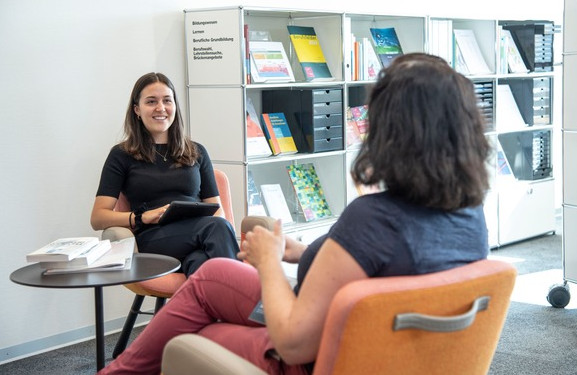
309	52
278	133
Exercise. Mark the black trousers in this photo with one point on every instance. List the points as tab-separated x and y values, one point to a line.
192	241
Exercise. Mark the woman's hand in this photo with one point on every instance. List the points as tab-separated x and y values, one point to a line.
152	216
293	250
261	245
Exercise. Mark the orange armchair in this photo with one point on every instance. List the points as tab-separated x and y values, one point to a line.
447	322
163	287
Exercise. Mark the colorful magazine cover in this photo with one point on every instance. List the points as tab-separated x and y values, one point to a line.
309	53
387	44
309	192
360	116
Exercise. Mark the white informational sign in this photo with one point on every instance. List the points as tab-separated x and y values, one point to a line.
214	47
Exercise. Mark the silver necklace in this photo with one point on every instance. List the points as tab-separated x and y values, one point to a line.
163	156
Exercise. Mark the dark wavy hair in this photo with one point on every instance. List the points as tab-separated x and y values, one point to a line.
426	140
139	143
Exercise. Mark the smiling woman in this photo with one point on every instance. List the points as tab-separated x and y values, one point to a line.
154	165
156	110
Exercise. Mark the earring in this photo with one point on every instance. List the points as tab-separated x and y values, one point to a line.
138	117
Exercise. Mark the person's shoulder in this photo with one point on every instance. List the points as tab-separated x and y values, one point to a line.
202	152
117	148
200	147
371	199
368	202
119	154
118	151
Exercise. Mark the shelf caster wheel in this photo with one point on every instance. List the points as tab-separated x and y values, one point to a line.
559	295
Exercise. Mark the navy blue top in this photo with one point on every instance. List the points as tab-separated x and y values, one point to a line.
389	237
158	183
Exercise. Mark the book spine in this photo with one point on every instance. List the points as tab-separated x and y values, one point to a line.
270	135
247	55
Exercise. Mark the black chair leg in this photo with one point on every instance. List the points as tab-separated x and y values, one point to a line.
128	325
159	303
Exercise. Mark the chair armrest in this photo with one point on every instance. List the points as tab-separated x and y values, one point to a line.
116	233
195	354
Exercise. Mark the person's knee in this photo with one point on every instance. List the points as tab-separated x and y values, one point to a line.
217	267
222	224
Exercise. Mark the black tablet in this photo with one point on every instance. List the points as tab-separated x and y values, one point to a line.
179	210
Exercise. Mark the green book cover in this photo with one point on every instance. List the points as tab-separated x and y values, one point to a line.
309	192
387	45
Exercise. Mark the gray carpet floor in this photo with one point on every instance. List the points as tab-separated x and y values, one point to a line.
536	339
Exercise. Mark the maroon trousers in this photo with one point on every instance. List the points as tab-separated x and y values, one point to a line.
214	302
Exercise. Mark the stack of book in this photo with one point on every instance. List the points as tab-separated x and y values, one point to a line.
364	63
83	254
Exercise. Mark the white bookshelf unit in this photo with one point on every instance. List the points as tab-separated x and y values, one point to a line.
570	142
519	205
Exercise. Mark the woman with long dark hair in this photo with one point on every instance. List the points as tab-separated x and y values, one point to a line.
156	164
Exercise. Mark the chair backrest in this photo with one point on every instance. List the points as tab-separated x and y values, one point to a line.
223	185
359	335
364	331
224	191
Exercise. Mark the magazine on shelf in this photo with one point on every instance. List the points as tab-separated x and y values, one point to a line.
360	116
269	62
309	191
473	61
276	203
278	133
353	133
256	143
387	44
62	250
515	63
255	205
371	63
508	115
309	53
118	258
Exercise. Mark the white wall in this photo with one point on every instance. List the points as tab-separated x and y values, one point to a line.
66	71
